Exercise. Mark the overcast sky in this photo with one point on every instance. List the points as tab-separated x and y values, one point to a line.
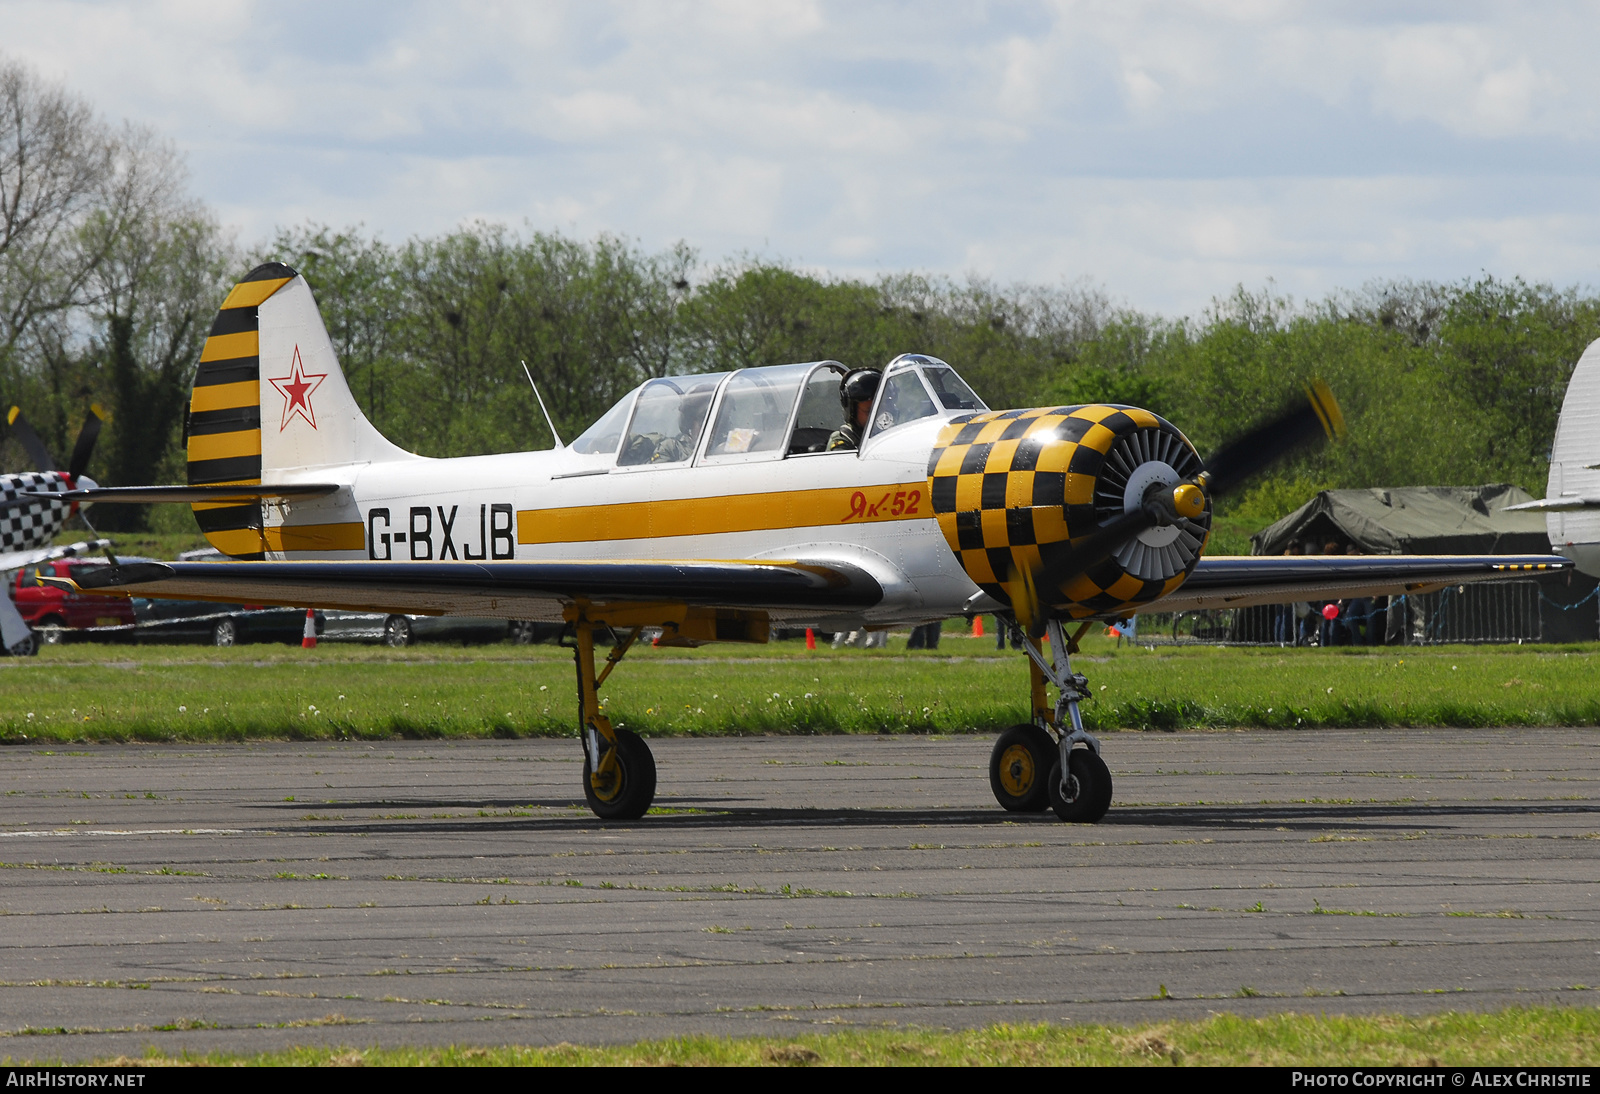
1163	151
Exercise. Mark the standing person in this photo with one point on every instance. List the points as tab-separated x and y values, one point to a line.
1004	627
1283	615
1306	613
856	392
1335	631
925	637
1358	614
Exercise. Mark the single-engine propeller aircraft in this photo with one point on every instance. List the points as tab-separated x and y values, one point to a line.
33	511
714	506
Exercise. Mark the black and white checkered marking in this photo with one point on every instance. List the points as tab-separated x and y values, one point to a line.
33	523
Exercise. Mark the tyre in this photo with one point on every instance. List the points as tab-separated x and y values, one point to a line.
1018	765
1087	795
28	647
225	633
52	630
397	632
521	633
630	787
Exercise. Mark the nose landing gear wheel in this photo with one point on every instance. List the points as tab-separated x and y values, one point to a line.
1021	759
1087	794
629	786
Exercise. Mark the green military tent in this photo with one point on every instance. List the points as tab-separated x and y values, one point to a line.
1448	520
1412	520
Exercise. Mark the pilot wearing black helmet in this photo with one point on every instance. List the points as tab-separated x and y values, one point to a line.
856	392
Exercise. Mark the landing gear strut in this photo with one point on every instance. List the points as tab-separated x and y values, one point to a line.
619	773
1040	765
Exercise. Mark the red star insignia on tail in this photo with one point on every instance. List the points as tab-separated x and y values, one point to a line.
296	389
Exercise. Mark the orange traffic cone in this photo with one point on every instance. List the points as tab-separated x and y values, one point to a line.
811	639
977	626
308	637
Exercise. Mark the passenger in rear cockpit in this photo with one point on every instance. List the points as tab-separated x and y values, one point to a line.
672	447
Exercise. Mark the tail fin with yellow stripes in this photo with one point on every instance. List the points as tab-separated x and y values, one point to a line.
269	402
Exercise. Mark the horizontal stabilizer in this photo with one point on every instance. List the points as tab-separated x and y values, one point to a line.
15	560
150	495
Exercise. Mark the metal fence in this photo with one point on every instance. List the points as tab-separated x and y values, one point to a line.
1506	611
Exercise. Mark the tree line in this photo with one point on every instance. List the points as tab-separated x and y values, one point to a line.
110	274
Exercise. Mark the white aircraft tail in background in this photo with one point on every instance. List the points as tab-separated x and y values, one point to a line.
1572	494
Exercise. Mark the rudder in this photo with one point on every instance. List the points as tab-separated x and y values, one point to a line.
270	400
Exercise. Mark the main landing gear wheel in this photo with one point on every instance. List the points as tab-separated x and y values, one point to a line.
1085	794
628	785
1021	760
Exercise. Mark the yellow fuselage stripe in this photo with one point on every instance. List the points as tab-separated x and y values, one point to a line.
292	537
237	541
225	396
222	446
730	513
345	536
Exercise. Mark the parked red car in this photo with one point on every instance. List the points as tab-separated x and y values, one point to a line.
56	611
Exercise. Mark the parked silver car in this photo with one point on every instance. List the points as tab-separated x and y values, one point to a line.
406	630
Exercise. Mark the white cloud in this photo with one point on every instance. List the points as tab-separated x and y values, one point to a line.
1168	151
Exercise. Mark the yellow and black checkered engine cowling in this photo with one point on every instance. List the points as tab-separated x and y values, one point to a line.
1014	490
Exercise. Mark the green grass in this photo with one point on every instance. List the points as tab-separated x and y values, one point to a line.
1527	1037
92	692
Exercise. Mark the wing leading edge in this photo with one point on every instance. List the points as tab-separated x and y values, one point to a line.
1242	580
545	589
508	590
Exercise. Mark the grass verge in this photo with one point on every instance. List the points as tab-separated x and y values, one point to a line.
135	693
1520	1036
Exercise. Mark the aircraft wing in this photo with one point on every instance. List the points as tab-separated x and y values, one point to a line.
535	590
15	560
1238	581
1554	505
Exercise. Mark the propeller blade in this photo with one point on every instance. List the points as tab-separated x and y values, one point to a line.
1266	444
1094	549
84	448
1025	603
31	444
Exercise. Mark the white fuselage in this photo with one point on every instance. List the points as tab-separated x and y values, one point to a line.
870	508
